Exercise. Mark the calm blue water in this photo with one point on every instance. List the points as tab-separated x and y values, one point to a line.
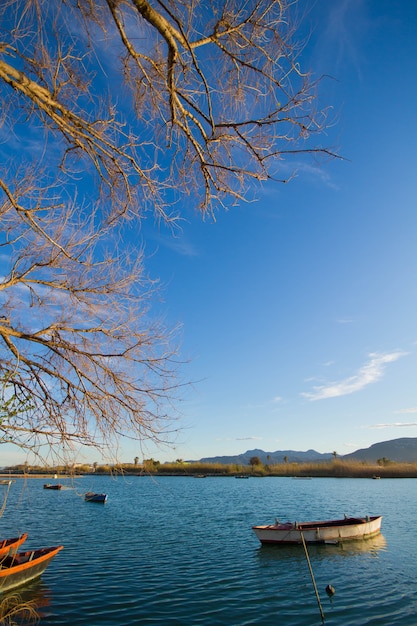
180	551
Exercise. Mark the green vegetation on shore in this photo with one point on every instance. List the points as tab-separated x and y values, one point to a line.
383	468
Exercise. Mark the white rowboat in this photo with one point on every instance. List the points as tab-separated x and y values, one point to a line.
330	531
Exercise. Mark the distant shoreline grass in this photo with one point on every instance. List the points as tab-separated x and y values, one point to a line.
331	469
334	468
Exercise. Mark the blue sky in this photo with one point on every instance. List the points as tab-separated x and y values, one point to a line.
299	309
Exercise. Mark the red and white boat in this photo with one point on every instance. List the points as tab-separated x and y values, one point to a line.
329	531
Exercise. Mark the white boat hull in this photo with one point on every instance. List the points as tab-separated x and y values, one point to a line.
331	531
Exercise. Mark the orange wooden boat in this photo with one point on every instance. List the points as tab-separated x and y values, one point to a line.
22	567
8	545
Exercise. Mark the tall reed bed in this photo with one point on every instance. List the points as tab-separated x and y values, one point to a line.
333	468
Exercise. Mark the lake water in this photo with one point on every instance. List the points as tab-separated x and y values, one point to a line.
181	551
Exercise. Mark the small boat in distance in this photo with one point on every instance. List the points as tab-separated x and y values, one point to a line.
22	567
55	486
330	531
90	496
8	545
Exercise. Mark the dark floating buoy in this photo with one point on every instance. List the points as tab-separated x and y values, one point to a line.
330	590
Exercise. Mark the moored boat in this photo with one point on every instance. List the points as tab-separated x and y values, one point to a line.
8	545
328	531
54	486
22	567
90	496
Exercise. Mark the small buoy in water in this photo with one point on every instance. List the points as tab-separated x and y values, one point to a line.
330	590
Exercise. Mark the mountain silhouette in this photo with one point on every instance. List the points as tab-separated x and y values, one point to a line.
403	450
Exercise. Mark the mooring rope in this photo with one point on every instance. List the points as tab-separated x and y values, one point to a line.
312	575
3	506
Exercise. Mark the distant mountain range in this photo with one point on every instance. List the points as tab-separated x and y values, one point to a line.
402	450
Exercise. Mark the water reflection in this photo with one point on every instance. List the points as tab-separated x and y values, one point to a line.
181	551
35	592
348	548
320	551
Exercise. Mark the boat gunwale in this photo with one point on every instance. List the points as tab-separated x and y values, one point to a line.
348	529
93	496
347	521
46	554
8	545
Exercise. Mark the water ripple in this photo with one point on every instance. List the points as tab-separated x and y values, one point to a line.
178	551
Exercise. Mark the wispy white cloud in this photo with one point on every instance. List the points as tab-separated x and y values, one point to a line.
178	244
313	172
353	446
239	438
345	29
369	373
394	425
293	168
413	410
248	438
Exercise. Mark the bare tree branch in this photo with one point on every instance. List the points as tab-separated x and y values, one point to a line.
111	110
